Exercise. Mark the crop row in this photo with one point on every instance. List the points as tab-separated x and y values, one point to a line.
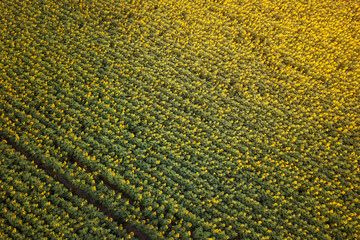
196	141
35	205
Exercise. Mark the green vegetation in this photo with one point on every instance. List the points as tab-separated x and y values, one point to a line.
179	119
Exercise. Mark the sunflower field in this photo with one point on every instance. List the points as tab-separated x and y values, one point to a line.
179	119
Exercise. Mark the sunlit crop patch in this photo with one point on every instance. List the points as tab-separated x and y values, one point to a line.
179	119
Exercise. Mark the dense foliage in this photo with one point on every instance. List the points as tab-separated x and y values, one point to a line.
179	119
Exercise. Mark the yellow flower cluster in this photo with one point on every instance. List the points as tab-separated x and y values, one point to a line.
187	119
